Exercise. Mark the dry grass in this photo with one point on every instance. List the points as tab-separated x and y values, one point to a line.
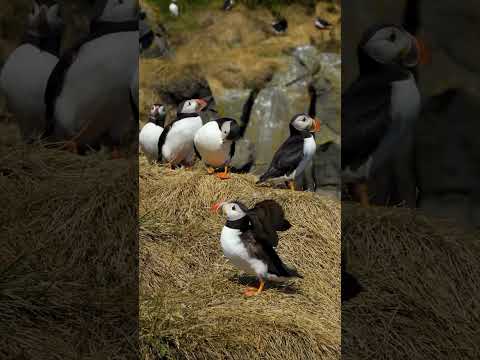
68	280
192	306
422	282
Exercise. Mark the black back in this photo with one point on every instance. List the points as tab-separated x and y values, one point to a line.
366	114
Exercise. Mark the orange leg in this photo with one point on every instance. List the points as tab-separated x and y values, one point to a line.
361	191
254	292
116	153
210	170
291	185
71	146
224	175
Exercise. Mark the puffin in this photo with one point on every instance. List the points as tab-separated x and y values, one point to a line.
215	144
215	141
86	108
175	144
228	5
321	24
280	25
293	156
249	238
151	132
24	75
173	8
381	106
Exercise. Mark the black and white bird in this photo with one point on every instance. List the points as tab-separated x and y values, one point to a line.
215	144
280	25
228	5
249	239
25	73
293	156
322	24
175	145
173	8
215	141
380	108
151	132
87	107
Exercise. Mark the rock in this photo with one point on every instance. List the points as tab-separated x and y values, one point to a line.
448	156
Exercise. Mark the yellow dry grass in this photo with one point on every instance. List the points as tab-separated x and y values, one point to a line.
192	304
421	280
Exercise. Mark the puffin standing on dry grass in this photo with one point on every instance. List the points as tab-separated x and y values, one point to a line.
175	144
151	132
293	156
215	141
380	108
249	239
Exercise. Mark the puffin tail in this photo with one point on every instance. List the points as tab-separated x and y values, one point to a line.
292	272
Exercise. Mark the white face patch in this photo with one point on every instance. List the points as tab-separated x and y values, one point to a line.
225	129
302	123
388	44
189	107
233	211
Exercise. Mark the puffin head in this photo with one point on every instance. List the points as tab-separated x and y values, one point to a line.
192	106
158	112
234	210
303	122
390	45
229	128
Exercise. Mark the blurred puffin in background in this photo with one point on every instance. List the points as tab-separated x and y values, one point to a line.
380	108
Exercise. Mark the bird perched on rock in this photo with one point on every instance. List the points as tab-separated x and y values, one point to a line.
322	24
173	7
280	25
293	156
249	238
228	5
380	108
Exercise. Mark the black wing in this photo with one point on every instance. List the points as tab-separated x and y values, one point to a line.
286	159
263	251
161	140
366	115
267	217
232	150
196	152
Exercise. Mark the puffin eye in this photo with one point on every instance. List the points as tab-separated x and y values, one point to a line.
234	207
392	37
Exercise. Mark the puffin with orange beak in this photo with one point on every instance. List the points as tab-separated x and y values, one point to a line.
380	108
293	156
175	144
249	239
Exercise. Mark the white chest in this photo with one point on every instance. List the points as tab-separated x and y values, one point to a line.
173	9
213	149
405	100
148	140
234	250
179	141
309	147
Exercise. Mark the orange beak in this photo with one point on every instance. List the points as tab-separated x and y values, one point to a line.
424	53
316	125
215	207
202	103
